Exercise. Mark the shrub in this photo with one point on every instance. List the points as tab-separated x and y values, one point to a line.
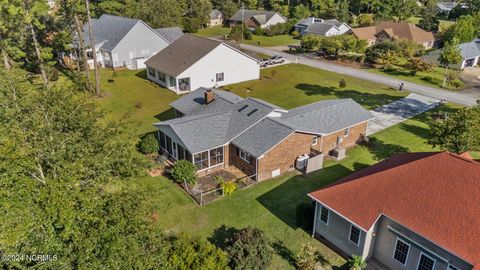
229	187
250	249
306	258
184	171
357	263
276	29
219	179
149	144
295	34
258	31
52	73
342	83
456	83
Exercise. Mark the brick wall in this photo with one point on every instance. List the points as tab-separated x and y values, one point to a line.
235	160
283	155
329	142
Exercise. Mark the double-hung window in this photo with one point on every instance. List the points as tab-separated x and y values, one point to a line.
354	235
219	77
324	213
201	160
244	155
216	156
425	262
346	132
401	251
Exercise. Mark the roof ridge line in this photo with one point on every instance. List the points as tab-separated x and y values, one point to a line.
340	101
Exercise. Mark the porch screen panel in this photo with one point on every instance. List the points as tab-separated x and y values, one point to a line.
169	145
201	160
162	139
181	152
216	156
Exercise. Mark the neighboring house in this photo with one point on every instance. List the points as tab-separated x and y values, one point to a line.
446	7
123	42
191	62
395	31
216	17
170	33
417	211
470	55
321	27
256	18
216	129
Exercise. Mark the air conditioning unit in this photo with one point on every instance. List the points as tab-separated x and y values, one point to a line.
301	162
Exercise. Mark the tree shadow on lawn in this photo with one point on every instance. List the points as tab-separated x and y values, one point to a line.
421	132
366	99
283	200
382	150
221	236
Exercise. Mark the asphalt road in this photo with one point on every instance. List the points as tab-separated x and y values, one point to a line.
467	99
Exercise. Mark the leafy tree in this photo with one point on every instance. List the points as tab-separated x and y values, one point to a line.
228	8
418	64
306	258
450	55
250	249
149	144
310	42
236	33
184	171
464	30
365	19
429	21
382	51
197	15
172	12
458	132
300	12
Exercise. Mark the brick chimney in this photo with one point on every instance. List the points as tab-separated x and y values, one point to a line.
209	96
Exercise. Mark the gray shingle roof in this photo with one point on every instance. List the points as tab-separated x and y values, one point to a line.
247	14
170	33
215	14
181	54
194	103
260	138
470	49
249	124
110	29
325	117
319	28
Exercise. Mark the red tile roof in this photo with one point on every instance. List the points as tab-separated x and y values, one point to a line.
436	195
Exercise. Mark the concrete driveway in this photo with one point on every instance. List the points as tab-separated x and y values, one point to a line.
467	99
400	110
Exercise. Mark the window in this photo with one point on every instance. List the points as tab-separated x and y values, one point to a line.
451	267
426	262
201	160
216	156
315	140
219	77
346	133
324	214
184	84
161	77
354	235
244	155
151	72
173	82
169	144
401	251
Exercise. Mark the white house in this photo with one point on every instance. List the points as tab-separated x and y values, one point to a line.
316	26
257	18
216	17
470	52
123	42
191	62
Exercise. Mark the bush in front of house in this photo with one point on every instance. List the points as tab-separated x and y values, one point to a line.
306	258
229	187
184	171
250	249
149	144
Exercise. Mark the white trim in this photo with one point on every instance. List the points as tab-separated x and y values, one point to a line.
449	267
233	48
395	249
208	158
315	140
315	220
350	235
331	209
328	215
351	126
429	257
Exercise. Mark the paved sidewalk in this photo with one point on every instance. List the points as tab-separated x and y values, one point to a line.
467	99
400	110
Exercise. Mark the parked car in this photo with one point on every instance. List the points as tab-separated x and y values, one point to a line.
277	59
264	62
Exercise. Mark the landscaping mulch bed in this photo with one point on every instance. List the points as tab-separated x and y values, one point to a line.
209	182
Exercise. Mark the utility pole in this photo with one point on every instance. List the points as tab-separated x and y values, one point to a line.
94	51
243	19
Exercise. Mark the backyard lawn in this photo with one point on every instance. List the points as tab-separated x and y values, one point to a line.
266	41
214	31
443	23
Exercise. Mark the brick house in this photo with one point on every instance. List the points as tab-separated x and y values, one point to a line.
415	211
215	129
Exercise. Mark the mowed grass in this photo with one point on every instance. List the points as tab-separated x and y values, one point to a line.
130	97
294	85
214	31
271	205
266	41
442	25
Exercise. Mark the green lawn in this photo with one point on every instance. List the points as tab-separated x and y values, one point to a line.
269	205
214	31
433	78
266	41
293	85
442	24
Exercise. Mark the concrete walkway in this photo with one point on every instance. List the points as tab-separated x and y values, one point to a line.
467	99
391	114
